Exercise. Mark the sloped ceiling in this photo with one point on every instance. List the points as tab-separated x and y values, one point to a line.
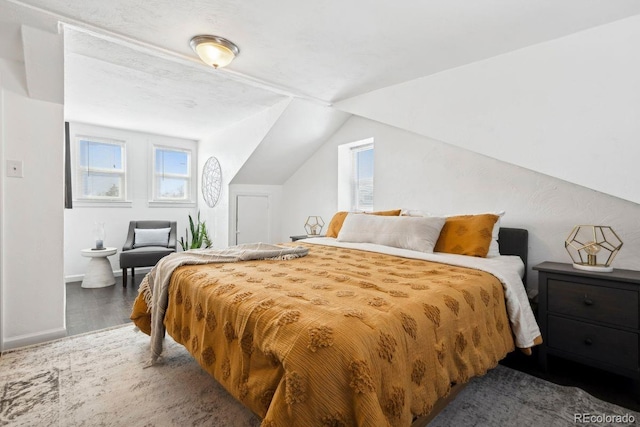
281	152
327	51
129	63
568	108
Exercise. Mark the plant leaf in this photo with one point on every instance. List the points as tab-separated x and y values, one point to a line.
199	235
191	225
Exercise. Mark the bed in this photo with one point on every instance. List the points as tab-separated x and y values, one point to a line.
350	334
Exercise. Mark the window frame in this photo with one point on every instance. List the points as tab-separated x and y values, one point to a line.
355	184
347	175
190	177
79	194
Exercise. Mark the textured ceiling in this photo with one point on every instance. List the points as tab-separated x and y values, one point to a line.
138	52
113	85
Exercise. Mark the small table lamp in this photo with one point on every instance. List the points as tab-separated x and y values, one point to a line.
585	242
314	225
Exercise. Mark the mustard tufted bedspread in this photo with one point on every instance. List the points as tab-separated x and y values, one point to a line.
340	337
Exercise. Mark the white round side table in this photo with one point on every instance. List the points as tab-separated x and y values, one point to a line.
99	272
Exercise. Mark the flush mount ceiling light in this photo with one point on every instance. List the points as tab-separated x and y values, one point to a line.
213	50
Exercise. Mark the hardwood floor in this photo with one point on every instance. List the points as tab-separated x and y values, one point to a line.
93	309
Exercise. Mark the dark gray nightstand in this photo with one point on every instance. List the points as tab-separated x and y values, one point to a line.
589	317
304	236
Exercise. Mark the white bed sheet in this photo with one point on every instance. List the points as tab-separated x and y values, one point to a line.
506	268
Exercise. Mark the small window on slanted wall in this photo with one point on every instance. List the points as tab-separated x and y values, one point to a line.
172	177
101	170
355	176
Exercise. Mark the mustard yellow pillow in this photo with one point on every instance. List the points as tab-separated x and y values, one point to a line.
467	235
336	224
393	212
338	219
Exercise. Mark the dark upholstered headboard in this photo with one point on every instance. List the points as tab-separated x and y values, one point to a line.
515	241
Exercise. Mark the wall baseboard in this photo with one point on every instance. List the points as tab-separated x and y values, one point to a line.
116	273
31	339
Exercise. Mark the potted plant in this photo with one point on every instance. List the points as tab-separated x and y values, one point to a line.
199	235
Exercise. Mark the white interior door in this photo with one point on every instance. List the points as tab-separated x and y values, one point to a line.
252	219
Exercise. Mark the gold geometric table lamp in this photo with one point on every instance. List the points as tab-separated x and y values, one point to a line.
314	225
585	242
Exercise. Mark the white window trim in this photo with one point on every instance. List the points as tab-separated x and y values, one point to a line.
98	202
345	172
354	171
192	183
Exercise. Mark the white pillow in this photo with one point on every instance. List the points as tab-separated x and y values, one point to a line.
494	248
151	237
406	232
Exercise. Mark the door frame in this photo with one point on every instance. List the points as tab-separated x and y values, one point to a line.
233	236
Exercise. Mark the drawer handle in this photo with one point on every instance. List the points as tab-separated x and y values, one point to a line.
588	301
588	341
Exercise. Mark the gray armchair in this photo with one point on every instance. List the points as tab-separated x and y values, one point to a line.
154	240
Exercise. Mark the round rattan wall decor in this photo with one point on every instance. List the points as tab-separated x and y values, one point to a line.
211	181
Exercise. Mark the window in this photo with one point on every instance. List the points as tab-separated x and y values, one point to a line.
101	169
171	175
355	176
362	178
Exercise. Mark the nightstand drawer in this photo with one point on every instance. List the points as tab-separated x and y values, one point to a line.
613	346
596	303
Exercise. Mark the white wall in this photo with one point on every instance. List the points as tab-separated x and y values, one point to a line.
79	221
415	172
568	108
43	53
313	189
32	291
13	76
232	147
32	265
2	179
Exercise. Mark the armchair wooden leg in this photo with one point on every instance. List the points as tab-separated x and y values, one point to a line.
133	275
124	277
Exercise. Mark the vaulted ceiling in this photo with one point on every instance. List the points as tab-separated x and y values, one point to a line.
129	65
324	51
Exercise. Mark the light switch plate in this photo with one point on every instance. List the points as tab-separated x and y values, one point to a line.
14	168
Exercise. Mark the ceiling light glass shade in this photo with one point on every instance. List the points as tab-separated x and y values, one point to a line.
215	51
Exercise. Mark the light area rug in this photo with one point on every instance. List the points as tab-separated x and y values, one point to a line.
98	379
